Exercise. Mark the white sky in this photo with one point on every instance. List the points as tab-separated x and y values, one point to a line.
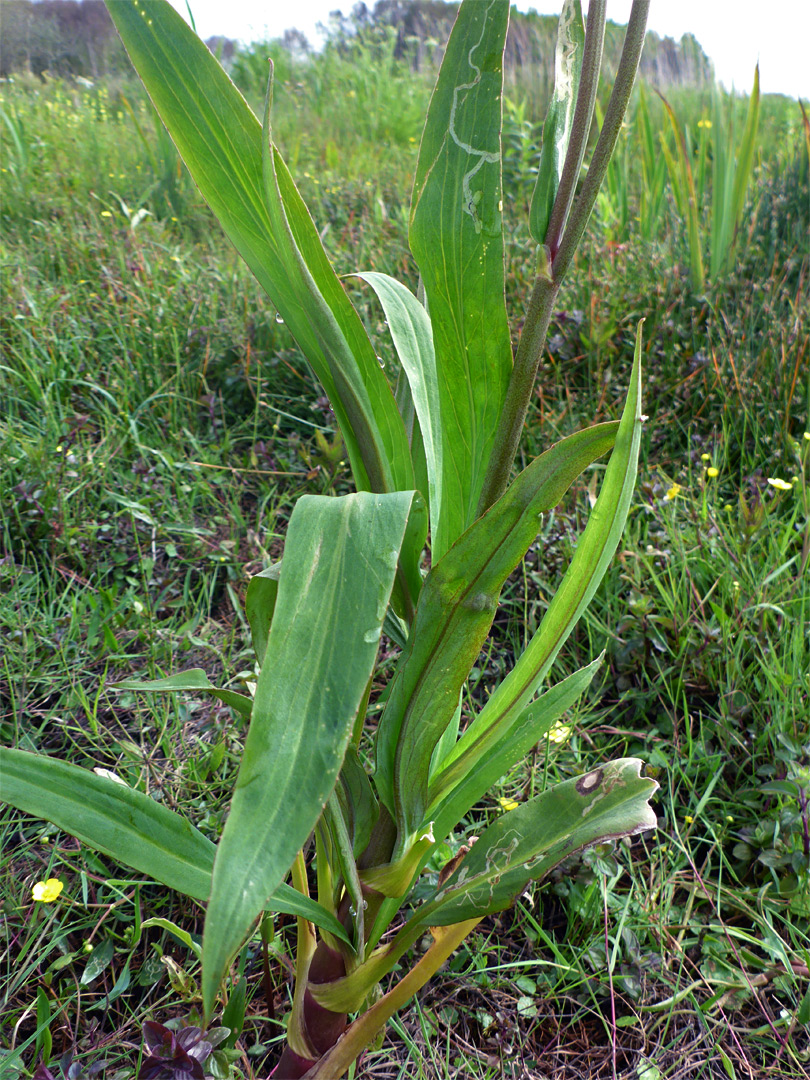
734	33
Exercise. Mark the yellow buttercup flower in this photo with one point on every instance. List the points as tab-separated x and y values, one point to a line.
673	493
779	484
712	472
507	804
47	891
560	733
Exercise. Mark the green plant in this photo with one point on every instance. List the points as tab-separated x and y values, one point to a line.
731	168
437	456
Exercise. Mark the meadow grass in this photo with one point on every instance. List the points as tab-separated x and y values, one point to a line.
157	426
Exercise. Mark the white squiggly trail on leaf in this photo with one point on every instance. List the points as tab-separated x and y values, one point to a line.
565	61
484	156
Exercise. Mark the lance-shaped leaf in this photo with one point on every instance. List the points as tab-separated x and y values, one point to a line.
468	777
591	559
110	817
220	140
456	239
455	611
130	827
412	334
523	845
340	558
194	680
559	117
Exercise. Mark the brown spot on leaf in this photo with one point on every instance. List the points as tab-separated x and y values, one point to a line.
590	781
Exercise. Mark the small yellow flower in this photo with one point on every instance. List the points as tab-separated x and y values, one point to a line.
560	733
779	484
688	819
106	213
673	493
806	436
507	804
704	123
705	457
47	891
712	472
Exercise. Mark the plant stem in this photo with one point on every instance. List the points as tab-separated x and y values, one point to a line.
581	124
358	1035
548	281
612	125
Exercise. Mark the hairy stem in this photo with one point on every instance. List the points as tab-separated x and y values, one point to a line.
614	116
581	125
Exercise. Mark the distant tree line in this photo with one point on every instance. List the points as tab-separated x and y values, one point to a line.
77	37
62	37
422	25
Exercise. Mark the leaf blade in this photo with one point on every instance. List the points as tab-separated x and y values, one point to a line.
457	241
194	679
455	610
594	551
523	845
115	819
559	118
221	142
339	563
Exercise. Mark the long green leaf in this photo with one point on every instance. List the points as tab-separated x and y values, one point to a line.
130	827
112	818
525	844
412	334
468	777
340	559
559	117
455	611
745	160
685	189
594	551
457	241
194	680
220	140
